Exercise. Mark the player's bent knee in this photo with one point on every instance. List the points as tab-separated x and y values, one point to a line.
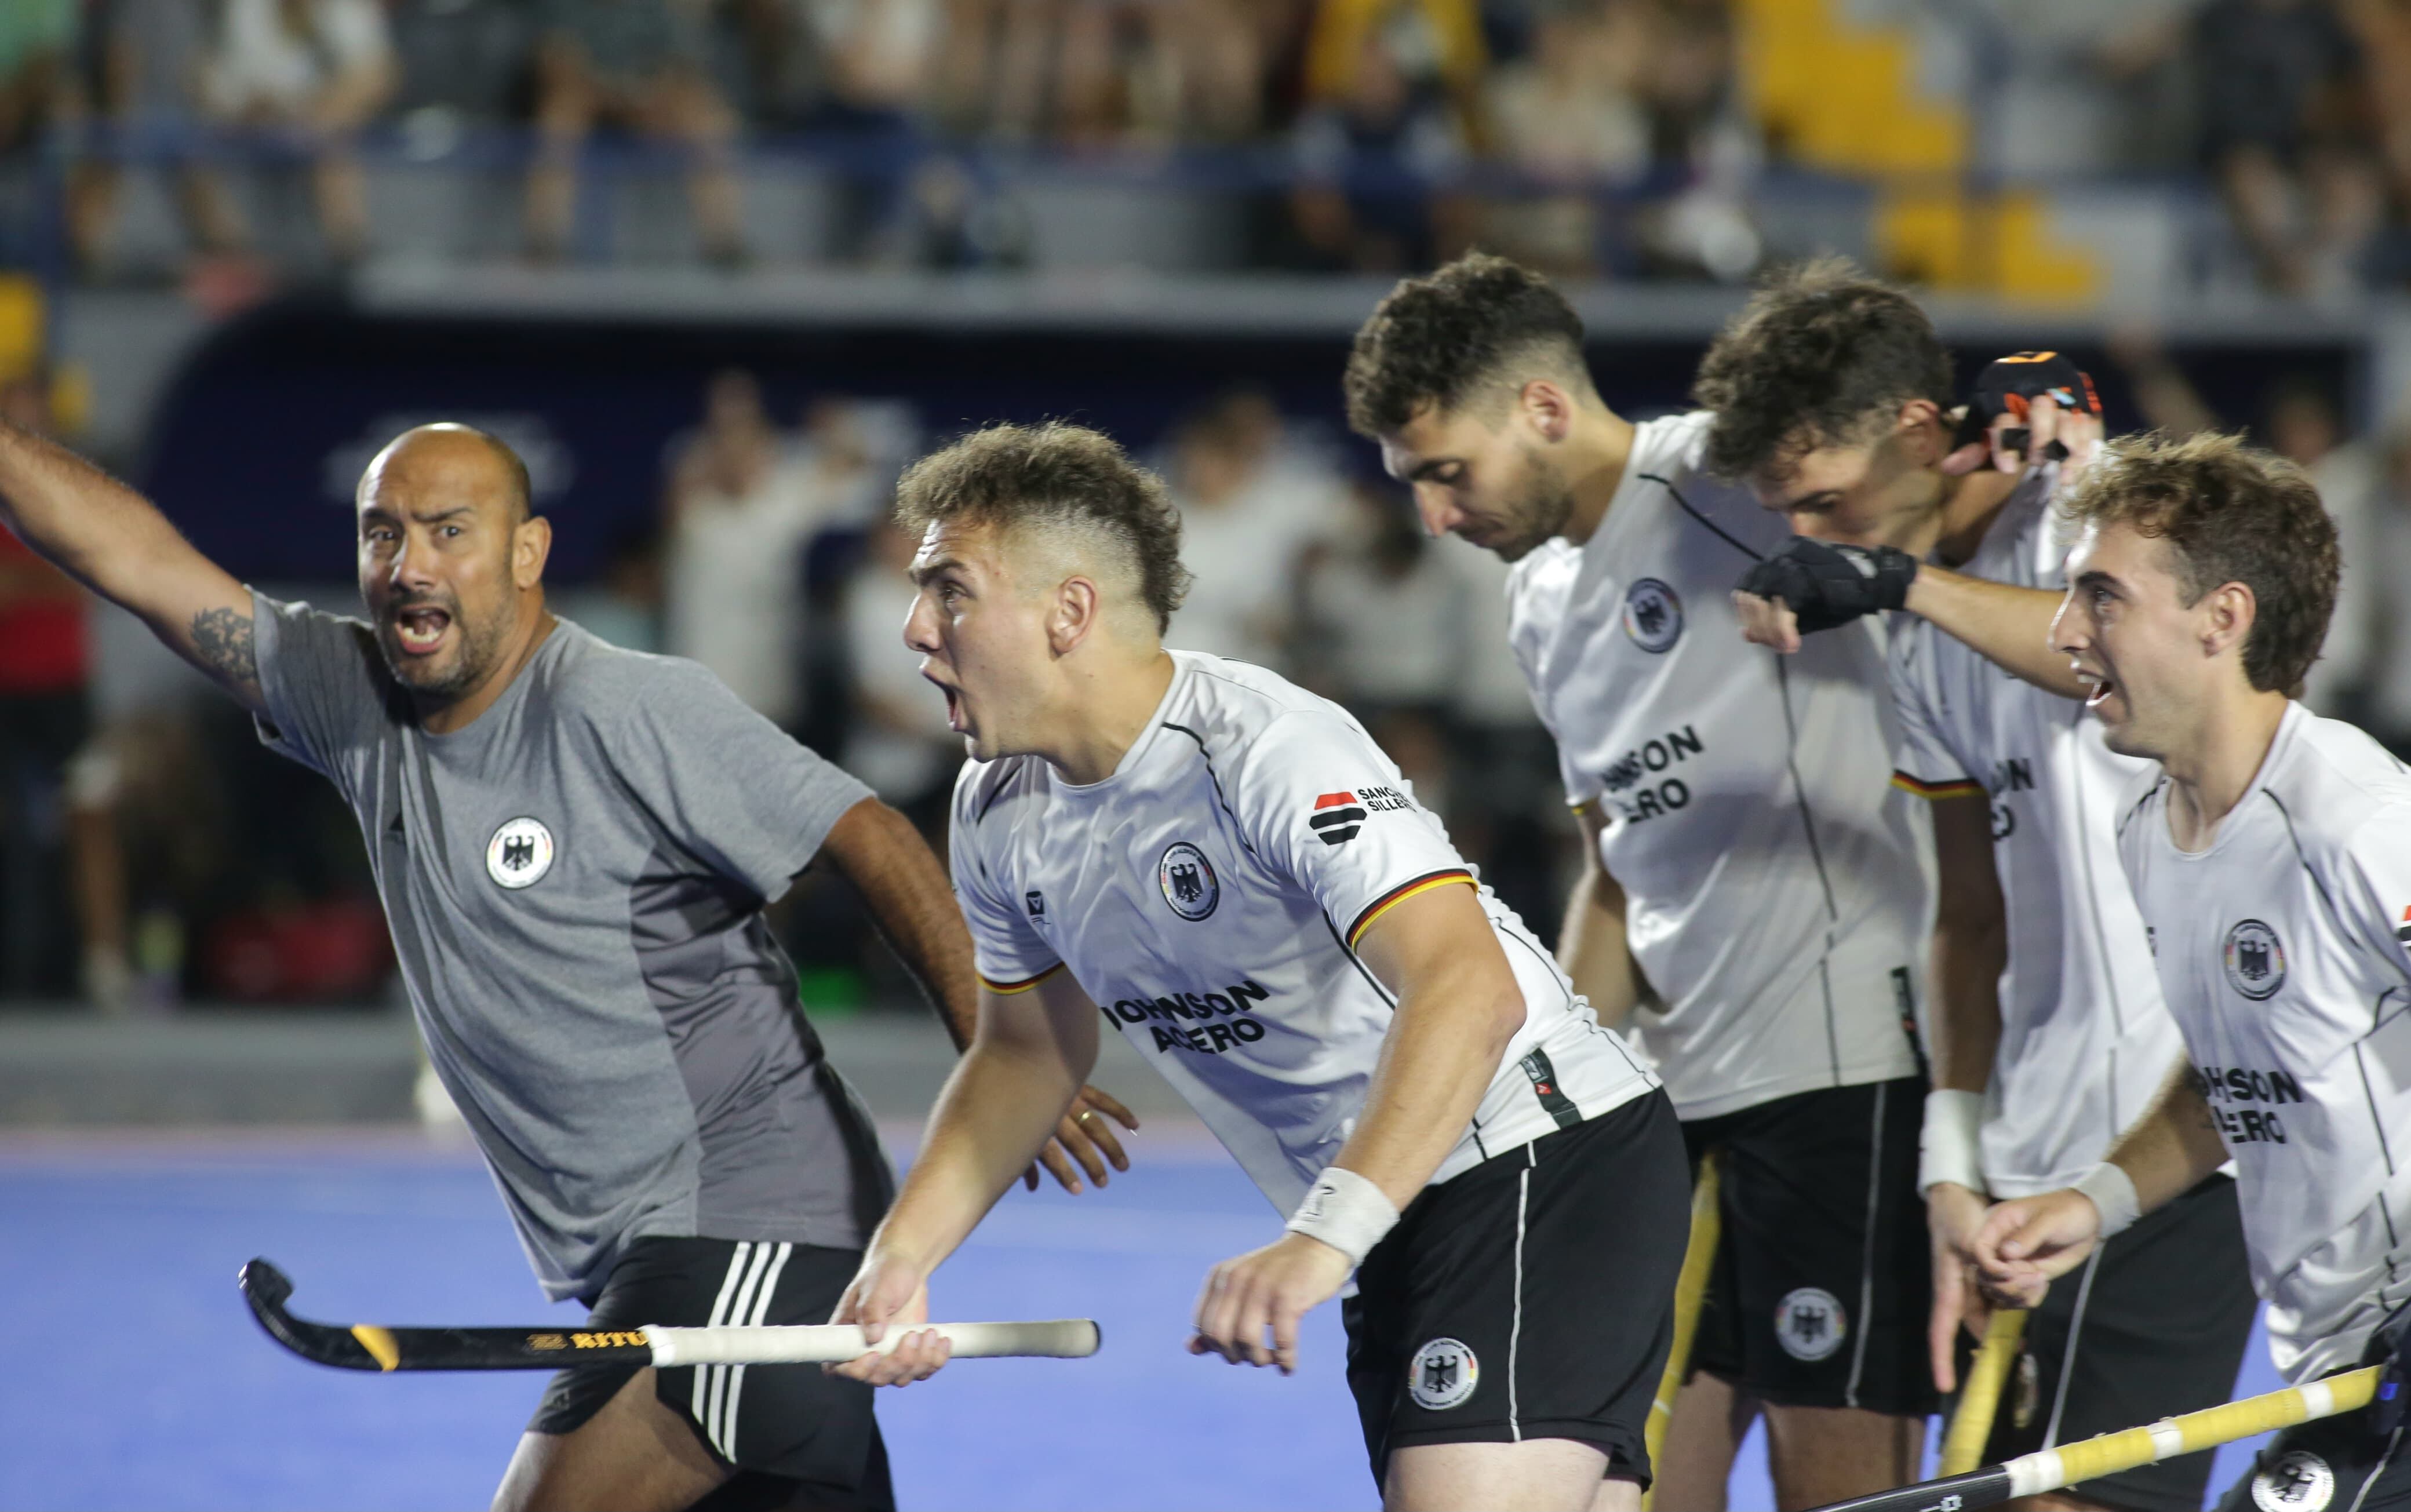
1539	1475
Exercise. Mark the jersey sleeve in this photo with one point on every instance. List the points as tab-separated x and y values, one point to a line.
1924	765
1006	951
1319	803
323	683
2374	891
733	790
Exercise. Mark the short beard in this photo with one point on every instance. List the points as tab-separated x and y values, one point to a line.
1539	513
480	647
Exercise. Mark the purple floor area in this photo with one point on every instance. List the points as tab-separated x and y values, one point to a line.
142	1382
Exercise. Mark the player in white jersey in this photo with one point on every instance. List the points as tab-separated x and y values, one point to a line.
2270	857
2050	1036
1753	891
1226	869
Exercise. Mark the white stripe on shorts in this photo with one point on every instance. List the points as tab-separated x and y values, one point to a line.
1867	1251
736	1377
715	1404
1515	1324
705	1374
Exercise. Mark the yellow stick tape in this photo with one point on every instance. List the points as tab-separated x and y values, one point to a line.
1979	1395
2114	1452
378	1342
1690	1289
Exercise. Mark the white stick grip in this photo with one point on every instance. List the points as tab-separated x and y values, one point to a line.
834	1343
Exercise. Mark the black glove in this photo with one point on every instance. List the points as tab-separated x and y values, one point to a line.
2008	385
1829	584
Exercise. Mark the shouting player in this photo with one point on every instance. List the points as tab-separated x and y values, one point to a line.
1228	871
2049	1033
574	845
2270	855
1753	888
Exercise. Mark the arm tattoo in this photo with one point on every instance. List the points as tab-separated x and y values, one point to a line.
222	638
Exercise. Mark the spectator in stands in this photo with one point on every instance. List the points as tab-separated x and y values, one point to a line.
143	58
876	63
2283	102
896	737
641	65
1383	624
738	520
1377	163
45	665
315	71
35	40
1568	121
1251	503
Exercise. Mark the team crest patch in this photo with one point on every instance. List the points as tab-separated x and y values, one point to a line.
1810	1324
1443	1375
1187	882
520	853
2298	1481
1653	615
2255	960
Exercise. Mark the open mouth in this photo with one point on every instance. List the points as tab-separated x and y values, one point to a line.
955	720
420	631
2099	689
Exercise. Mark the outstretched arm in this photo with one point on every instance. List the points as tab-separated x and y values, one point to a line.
1031	1054
111	540
912	906
1459	1007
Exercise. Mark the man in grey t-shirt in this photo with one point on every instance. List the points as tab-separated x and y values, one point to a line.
574	845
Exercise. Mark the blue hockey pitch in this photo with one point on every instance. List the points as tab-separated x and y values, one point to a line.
142	1382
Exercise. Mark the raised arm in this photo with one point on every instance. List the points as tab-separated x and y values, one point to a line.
1459	1007
111	540
2006	625
911	905
1032	1052
1592	948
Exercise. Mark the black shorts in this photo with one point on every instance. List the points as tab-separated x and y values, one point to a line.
1531	1297
2336	1464
1823	1277
2154	1325
789	1421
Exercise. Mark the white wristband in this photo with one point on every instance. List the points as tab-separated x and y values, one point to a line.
1346	1212
1951	1147
2111	1192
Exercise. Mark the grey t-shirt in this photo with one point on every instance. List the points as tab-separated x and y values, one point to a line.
575	884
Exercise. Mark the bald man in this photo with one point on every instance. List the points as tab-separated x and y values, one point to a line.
574	845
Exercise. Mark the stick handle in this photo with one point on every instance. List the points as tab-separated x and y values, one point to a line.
833	1344
1690	1289
1980	1396
2129	1449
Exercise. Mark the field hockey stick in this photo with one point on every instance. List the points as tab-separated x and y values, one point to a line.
1979	1395
1690	1289
369	1347
2129	1449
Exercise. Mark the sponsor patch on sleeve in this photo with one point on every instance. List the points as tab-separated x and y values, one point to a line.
1338	817
2403	930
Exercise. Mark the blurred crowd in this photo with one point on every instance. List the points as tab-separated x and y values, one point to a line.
1365	134
1589	136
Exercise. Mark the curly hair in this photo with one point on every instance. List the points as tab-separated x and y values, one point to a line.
1822	355
2230	514
1054	476
1434	341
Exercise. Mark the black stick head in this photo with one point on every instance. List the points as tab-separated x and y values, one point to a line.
264	1286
